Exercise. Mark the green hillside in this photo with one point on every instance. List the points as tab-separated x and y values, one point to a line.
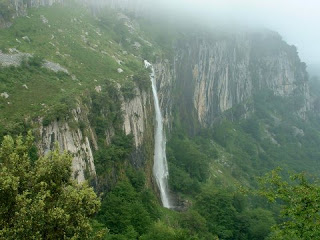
213	171
88	48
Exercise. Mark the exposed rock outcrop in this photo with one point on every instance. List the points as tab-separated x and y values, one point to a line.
15	59
56	67
218	74
164	76
213	73
135	114
73	141
81	143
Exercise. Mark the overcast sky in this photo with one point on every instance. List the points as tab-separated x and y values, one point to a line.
298	21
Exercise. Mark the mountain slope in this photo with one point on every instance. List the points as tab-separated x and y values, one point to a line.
236	105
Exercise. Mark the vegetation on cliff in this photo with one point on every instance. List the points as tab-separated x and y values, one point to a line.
213	170
39	199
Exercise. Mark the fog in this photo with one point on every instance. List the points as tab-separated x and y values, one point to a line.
296	20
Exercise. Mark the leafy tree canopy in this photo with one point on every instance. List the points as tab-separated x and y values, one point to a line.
300	200
39	199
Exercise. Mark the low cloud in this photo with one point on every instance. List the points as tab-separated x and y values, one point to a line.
296	20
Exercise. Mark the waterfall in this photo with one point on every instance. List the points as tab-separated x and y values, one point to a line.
160	166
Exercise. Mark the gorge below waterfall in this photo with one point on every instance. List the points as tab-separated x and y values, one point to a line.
160	166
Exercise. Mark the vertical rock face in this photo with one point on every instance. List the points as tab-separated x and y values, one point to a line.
72	140
276	65
138	120
164	77
215	75
135	114
212	74
82	143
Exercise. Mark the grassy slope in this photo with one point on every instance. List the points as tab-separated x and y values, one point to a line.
84	45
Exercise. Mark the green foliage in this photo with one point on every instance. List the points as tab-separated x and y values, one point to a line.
150	203
117	152
137	178
59	111
273	135
88	62
35	61
40	82
39	200
296	139
252	127
300	201
128	90
188	163
160	231
142	79
180	181
194	223
147	53
125	210
258	222
105	110
188	156
218	210
227	216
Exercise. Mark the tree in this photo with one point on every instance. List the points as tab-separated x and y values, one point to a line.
259	222
160	231
218	210
122	209
40	200
300	201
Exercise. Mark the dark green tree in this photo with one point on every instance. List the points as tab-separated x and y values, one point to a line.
123	210
160	231
259	222
300	201
218	210
40	200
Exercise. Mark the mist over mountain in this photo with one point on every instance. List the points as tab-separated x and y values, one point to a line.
314	69
295	20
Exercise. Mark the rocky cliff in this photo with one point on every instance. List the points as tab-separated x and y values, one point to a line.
73	141
213	73
164	75
136	114
82	142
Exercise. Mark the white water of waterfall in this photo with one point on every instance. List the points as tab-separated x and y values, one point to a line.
160	166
